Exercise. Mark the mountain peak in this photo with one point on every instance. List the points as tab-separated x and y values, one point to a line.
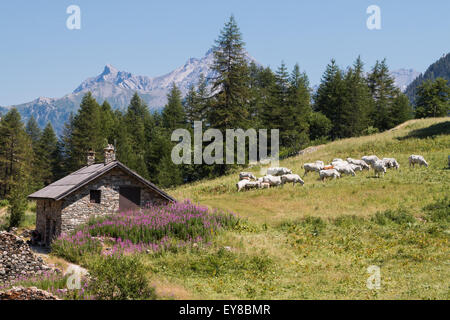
109	69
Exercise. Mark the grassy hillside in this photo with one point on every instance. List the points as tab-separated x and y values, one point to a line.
317	241
362	195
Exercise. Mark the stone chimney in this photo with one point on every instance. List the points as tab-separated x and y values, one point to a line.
110	154
90	157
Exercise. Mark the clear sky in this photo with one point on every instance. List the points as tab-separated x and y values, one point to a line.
40	56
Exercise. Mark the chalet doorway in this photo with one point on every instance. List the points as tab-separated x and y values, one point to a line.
129	198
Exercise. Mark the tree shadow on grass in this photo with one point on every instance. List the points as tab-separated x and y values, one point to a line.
433	130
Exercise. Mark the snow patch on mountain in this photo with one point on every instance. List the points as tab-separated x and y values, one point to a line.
403	77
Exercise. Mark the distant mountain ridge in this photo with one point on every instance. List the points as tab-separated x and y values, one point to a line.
403	77
438	69
117	87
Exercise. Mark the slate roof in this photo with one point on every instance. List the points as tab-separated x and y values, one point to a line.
62	188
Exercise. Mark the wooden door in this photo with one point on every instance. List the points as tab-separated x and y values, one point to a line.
129	198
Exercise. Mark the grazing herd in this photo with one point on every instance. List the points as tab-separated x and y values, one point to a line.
275	177
279	176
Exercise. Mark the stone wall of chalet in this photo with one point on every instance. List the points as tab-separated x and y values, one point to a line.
76	209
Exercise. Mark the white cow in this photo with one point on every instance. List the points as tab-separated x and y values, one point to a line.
391	163
344	168
246	175
339	162
378	167
330	173
320	162
355	167
272	180
416	159
252	185
264	185
310	167
360	163
241	184
370	159
294	178
278	171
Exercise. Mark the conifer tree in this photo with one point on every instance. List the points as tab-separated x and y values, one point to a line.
17	202
86	132
173	114
108	122
33	130
137	121
384	92
401	110
358	103
433	99
16	154
300	104
229	107
329	98
47	155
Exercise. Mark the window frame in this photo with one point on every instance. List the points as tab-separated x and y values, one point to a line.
95	196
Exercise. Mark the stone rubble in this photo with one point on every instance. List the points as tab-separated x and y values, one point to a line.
17	259
21	293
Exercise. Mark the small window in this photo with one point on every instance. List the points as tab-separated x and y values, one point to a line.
96	196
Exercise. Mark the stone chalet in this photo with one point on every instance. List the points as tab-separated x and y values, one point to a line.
96	189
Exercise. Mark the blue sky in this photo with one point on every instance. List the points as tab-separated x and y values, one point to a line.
39	56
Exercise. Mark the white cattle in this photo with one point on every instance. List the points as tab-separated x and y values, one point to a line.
344	168
278	171
241	184
355	167
416	159
252	185
294	178
272	180
360	163
320	162
370	159
330	173
310	167
264	185
339	162
390	163
378	167
246	175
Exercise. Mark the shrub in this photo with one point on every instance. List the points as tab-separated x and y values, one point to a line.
119	278
438	211
4	203
370	130
18	205
319	126
399	216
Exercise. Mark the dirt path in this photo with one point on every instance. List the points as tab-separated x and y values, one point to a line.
65	266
